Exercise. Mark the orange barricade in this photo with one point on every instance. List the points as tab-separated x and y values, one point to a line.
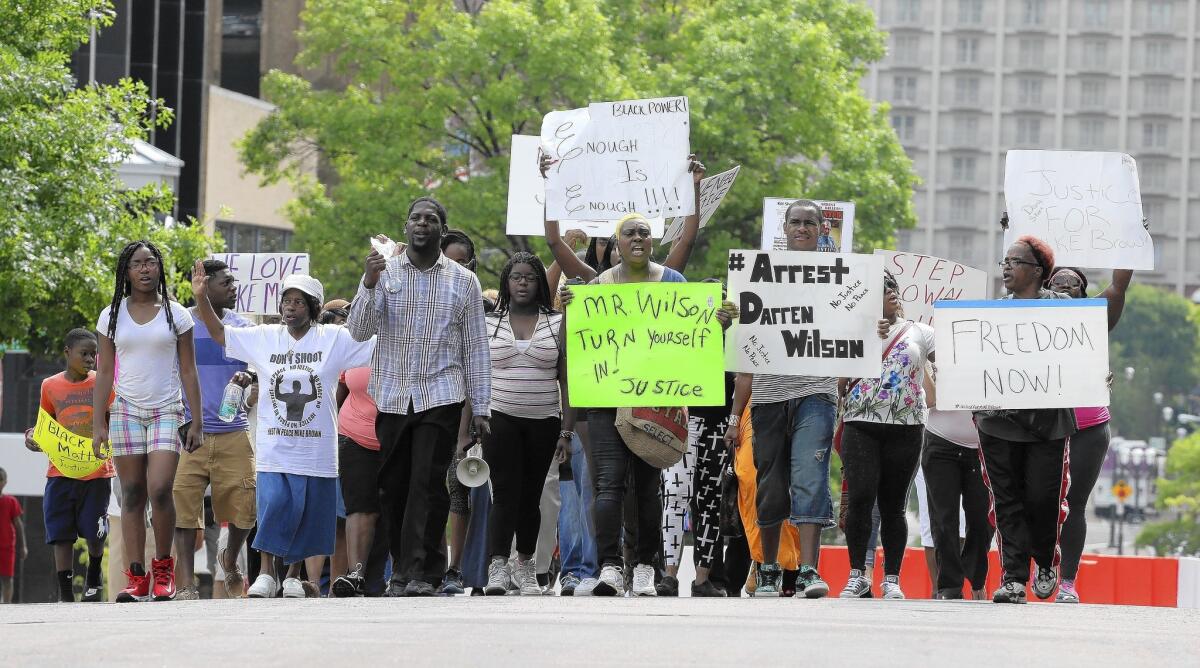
1118	580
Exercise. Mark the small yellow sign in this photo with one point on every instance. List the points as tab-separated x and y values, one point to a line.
70	453
1121	490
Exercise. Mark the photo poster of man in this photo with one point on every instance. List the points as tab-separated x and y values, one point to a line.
837	225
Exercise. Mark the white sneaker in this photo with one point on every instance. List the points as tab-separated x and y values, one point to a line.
643	580
524	576
586	586
612	582
891	587
264	586
293	588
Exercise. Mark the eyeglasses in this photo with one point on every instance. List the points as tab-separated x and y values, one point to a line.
807	223
523	278
640	232
138	265
1009	262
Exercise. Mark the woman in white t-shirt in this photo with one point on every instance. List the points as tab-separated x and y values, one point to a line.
298	364
883	423
151	337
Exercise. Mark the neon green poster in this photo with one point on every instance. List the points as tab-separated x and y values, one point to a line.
645	345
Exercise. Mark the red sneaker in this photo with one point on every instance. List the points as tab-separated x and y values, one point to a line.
138	589
163	571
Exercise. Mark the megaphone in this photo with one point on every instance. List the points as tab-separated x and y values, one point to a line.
472	471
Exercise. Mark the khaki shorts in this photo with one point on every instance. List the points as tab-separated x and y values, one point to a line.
226	461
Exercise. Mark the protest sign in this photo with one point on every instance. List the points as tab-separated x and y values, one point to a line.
70	453
527	198
615	158
805	314
712	192
260	277
837	229
645	344
1021	353
925	279
1087	206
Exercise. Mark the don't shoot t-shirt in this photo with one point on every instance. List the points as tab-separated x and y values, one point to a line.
297	380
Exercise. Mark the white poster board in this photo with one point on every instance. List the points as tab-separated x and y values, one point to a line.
615	158
713	190
1086	205
1021	353
837	229
259	277
925	279
805	314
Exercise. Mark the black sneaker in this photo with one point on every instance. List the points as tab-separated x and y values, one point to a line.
349	585
668	587
419	588
569	582
705	589
769	581
949	595
1009	592
452	584
395	589
1045	582
92	593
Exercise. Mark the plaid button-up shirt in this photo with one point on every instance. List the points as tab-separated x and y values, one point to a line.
432	348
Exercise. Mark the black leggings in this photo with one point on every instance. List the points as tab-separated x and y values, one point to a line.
879	462
614	467
1088	449
518	452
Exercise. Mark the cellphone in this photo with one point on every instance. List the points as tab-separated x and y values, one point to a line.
183	431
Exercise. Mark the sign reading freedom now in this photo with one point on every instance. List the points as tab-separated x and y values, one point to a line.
645	345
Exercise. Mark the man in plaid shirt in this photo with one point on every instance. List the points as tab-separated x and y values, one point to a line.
431	357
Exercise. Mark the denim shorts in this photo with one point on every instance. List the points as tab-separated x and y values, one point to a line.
792	444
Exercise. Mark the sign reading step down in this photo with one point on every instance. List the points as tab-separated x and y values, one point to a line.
645	345
1021	353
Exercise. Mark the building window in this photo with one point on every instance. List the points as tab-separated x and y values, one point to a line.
1154	134
1095	54
904	89
1153	174
962	209
1029	131
1157	95
905	49
1095	13
241	46
968	50
1091	133
1092	93
908	11
959	246
1031	53
1029	91
905	126
966	90
966	130
1158	56
1158	15
963	170
1155	211
970	12
241	238
1034	12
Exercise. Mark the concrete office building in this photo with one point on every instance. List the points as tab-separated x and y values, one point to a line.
969	79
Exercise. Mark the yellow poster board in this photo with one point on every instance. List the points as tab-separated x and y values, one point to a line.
70	453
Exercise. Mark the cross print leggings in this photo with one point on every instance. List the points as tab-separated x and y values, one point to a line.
692	488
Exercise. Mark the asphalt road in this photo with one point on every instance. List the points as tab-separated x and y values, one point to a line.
517	631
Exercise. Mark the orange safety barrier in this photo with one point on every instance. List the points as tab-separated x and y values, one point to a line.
1118	580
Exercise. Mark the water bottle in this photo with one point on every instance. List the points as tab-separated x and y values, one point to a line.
231	402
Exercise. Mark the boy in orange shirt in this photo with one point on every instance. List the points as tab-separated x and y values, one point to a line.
75	508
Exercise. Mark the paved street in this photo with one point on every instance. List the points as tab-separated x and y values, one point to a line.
590	631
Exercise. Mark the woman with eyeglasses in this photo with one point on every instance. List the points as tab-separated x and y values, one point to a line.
1089	446
1024	454
883	424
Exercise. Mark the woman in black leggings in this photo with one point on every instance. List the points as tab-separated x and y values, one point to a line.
1089	446
883	424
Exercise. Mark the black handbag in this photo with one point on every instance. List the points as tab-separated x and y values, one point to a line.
730	516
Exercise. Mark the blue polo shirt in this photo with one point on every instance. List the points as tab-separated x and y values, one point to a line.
214	370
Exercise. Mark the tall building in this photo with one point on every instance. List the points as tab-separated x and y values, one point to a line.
970	79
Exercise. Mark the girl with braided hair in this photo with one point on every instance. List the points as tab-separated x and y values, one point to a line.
151	336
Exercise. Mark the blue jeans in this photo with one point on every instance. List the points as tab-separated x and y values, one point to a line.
475	557
576	535
792	442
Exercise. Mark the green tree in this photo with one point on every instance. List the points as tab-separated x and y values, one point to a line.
1159	338
1178	491
64	214
774	87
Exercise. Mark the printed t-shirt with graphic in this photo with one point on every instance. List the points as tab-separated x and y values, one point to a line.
214	369
145	353
297	387
71	404
897	396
